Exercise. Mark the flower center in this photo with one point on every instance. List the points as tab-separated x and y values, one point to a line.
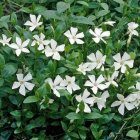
122	62
74	38
95	84
22	82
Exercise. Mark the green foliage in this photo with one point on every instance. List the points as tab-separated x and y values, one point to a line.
33	117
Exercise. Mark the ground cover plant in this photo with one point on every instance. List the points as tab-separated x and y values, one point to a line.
69	70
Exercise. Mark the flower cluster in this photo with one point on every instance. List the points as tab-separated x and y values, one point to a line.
96	87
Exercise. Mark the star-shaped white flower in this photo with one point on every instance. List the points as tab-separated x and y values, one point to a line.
121	62
122	103
131	29
20	46
23	83
53	50
70	84
95	84
111	79
55	85
136	95
5	40
40	40
111	23
86	100
73	36
83	68
97	60
34	23
101	101
99	34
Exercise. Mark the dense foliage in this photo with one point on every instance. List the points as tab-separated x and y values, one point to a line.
69	69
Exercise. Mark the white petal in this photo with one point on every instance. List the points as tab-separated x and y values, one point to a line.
18	52
91	32
94	89
60	48
75	87
57	80
121	109
25	50
29	86
125	56
19	77
79	41
56	92
92	78
123	68
102	86
25	43
86	93
92	57
78	98
105	34
120	97
98	31
68	34
22	90
117	57
96	40
74	31
116	103
129	106
18	41
33	18
69	88
72	41
28	77
89	84
53	44
117	65
129	63
13	45
56	56
16	85
38	18
100	79
28	23
80	35
87	108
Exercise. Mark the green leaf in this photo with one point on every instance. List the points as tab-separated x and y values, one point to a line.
9	70
2	61
92	115
73	116
83	3
16	113
132	134
82	20
31	99
62	6
105	6
119	1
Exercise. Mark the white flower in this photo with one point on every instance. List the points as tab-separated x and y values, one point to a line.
136	95
73	36
40	40
20	46
96	84
111	23
111	79
70	84
5	40
53	50
101	101
23	83
83	68
55	86
122	103
86	100
122	62
99	34
34	23
97	60
131	28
